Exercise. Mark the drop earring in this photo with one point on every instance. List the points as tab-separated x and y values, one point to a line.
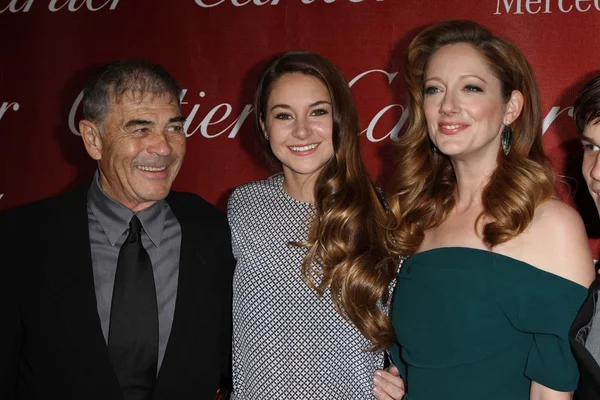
507	139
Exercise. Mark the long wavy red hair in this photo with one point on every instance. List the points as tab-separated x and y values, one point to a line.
422	192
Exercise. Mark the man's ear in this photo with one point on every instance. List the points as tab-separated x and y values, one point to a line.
513	107
91	138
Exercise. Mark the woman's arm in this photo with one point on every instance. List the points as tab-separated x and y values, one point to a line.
541	392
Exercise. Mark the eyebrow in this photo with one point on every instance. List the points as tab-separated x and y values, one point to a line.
473	76
176	119
138	122
436	78
145	122
588	139
316	103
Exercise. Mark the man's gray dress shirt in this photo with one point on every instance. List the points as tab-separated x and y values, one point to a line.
592	342
108	228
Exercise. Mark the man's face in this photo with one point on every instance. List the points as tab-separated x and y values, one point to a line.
140	148
591	160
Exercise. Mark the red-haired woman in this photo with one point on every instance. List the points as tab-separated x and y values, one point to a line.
497	267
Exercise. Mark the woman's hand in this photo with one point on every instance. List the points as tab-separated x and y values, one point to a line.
387	384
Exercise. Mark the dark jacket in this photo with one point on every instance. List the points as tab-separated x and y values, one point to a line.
589	370
51	342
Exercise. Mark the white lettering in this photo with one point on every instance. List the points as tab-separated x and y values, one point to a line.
508	6
113	5
237	3
206	122
535	6
547	9
390	76
72	113
72	5
238	122
224	111
553	114
241	3
6	106
577	5
182	96
235	126
202	4
52	6
560	6
13	6
528	4
393	134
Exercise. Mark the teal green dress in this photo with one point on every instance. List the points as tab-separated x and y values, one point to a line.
472	324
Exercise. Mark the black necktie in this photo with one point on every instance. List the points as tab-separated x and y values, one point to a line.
133	331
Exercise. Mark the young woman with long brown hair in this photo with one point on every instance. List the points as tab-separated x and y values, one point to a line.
497	267
306	242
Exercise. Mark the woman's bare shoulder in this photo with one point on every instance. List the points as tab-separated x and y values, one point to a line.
559	242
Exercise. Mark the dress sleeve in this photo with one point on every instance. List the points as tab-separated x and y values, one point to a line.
544	306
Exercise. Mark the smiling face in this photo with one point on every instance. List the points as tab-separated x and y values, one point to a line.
463	103
298	123
139	150
591	160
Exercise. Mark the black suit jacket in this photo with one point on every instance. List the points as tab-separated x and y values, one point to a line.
52	344
589	370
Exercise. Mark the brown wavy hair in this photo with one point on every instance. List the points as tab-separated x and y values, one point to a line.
424	185
346	242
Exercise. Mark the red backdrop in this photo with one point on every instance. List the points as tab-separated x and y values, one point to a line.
216	48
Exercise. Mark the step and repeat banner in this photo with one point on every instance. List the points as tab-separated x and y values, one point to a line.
216	49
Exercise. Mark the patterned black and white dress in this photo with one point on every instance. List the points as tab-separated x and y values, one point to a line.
288	342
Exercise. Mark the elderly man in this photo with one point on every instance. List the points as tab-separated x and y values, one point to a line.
120	289
585	331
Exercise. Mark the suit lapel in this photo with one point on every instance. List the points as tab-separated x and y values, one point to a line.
586	312
186	328
582	319
71	287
